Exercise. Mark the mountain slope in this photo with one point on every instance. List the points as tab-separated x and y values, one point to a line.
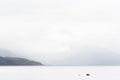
17	61
90	56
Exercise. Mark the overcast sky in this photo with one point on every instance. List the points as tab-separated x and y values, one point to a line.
49	30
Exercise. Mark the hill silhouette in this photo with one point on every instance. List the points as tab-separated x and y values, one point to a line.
13	61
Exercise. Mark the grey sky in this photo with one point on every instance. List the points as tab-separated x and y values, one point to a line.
45	29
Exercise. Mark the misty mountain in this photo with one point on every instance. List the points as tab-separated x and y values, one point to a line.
13	61
9	58
5	53
90	56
